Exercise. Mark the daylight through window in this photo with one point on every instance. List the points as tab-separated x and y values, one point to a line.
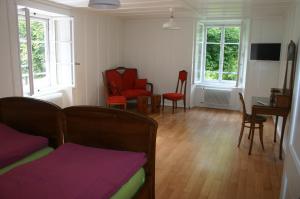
217	54
46	50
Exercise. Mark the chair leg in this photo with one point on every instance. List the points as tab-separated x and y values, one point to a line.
125	107
241	133
176	104
275	130
173	106
251	143
163	104
249	134
261	128
184	105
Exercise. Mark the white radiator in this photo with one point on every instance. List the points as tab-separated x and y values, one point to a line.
56	98
217	97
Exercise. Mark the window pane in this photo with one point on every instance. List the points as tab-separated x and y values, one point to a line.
64	51
231	53
38	30
199	36
229	76
214	34
211	75
212	61
39	65
232	35
23	54
198	58
22	28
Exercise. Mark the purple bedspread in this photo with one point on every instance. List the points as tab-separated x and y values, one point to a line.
72	172
15	145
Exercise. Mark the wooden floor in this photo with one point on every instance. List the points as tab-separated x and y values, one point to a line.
197	157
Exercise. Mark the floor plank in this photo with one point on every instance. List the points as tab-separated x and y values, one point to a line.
197	157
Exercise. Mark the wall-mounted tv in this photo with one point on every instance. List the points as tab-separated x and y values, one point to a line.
265	51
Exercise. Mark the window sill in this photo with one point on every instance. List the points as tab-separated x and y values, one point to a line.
50	91
215	85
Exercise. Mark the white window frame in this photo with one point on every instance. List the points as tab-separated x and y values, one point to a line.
202	67
50	52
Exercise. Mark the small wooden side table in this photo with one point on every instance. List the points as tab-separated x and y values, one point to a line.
142	104
155	103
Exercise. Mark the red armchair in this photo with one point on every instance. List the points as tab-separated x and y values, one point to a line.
180	94
124	82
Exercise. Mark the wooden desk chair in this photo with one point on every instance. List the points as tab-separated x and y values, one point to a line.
246	122
180	94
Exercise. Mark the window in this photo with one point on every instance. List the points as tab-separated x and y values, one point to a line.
217	53
46	50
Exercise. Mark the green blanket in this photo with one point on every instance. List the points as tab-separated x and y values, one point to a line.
34	156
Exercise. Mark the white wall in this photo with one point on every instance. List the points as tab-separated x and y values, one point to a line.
291	173
261	76
159	54
8	63
98	46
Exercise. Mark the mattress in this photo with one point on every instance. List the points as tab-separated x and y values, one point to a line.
75	171
127	191
15	145
34	156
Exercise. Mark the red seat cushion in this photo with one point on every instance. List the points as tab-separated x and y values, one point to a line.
140	84
115	81
134	93
128	79
116	100
173	96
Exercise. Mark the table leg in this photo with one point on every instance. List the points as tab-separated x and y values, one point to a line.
275	130
251	133
281	137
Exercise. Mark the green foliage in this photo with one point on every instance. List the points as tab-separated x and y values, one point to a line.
214	34
212	57
38	45
232	35
231	53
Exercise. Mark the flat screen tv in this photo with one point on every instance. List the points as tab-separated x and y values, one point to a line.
265	51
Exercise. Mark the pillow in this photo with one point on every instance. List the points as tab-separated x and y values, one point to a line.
140	84
114	88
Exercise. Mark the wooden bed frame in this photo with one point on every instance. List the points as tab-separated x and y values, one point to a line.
114	129
86	125
34	117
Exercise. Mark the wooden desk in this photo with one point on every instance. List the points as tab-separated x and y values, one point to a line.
267	109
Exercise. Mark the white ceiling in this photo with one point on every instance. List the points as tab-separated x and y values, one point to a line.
200	8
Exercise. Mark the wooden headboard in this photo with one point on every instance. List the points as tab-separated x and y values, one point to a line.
34	117
114	129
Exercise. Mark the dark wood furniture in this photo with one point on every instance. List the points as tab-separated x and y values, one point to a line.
142	104
34	117
263	106
117	130
246	122
180	93
155	103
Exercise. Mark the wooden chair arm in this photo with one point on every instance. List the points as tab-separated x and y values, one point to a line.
150	85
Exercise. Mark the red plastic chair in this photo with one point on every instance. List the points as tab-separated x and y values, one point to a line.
180	94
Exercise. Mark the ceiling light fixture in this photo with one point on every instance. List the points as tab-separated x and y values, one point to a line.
171	24
104	4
